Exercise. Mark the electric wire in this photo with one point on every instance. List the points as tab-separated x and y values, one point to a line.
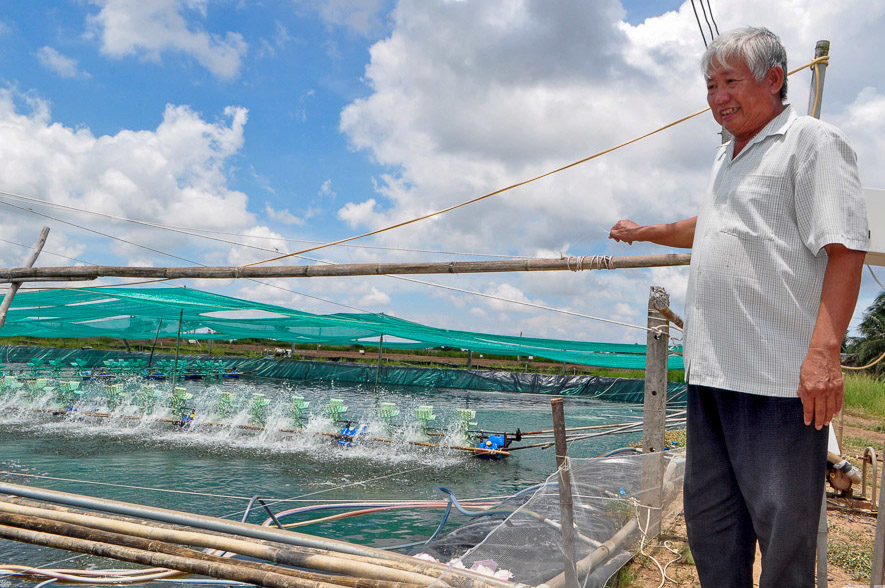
872	273
197	232
710	9
271	285
815	62
127	486
87	229
704	11
698	19
422	282
45	252
530	304
488	195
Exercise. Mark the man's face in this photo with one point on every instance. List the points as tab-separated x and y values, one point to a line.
739	102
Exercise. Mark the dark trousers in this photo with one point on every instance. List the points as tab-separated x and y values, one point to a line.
754	470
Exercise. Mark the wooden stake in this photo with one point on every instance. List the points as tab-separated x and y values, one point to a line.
29	262
654	412
177	348
566	507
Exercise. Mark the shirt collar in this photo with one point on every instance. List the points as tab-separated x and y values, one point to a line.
776	126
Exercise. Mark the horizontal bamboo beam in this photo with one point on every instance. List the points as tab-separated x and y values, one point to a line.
571	263
363	573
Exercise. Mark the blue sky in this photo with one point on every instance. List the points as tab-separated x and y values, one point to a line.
274	123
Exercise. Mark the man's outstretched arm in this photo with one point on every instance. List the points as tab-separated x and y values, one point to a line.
678	234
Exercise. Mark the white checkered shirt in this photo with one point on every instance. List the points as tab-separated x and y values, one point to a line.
758	261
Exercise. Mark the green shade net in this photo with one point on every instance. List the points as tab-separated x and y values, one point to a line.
144	313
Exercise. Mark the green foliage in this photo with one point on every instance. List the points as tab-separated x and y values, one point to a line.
865	395
625	578
871	342
852	556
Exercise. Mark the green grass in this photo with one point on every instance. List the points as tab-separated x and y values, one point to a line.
865	395
852	553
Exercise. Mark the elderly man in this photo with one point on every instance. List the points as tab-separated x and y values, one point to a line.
775	271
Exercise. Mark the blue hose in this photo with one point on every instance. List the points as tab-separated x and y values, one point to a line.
442	523
452	501
485	513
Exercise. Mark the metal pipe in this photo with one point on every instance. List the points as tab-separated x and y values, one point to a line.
869	454
877	577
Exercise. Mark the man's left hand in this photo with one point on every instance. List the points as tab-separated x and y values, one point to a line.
821	387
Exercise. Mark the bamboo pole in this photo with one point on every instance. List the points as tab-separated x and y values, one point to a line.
578	263
215	539
212	569
453	576
383	577
29	261
815	98
73	530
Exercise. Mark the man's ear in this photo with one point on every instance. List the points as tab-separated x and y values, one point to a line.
775	79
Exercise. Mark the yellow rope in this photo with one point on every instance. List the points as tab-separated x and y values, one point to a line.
869	365
824	59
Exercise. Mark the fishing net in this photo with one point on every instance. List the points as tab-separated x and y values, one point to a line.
146	313
522	537
57	362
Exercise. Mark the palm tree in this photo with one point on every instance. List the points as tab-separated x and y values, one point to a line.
871	342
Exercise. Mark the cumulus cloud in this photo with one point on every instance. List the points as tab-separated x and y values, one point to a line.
149	29
326	190
174	174
374	299
64	66
283	216
469	97
361	214
363	17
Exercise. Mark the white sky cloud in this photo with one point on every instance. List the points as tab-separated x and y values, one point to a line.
175	174
283	216
456	100
469	97
149	29
64	66
362	17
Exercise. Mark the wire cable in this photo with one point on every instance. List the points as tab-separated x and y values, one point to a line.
197	232
44	215
698	19
872	273
704	10
823	59
45	252
710	9
869	365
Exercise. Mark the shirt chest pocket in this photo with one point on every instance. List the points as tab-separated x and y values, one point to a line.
757	207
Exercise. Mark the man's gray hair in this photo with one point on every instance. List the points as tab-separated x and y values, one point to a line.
758	47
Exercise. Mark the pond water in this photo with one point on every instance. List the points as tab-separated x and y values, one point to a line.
216	465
